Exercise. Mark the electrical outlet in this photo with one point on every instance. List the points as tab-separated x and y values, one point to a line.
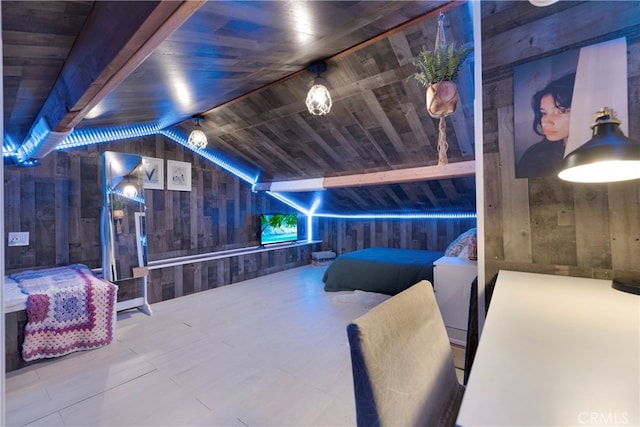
18	238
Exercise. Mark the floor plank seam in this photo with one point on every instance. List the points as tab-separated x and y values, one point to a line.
201	402
107	390
88	397
43	417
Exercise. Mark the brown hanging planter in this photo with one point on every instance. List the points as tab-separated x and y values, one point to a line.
436	71
442	98
118	214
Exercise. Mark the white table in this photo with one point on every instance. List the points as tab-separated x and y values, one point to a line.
556	351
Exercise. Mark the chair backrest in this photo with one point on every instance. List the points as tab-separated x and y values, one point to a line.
403	371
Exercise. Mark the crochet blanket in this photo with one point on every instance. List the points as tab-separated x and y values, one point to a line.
68	309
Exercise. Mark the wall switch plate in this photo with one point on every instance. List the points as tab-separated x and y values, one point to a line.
18	238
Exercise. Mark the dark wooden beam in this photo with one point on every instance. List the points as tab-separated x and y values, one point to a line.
115	39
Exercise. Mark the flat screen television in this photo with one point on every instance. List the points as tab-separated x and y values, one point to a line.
278	228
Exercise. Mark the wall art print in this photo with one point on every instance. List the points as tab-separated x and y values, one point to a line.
153	173
178	175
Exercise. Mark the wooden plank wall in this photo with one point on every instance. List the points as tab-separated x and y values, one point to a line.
546	225
346	235
173	282
14	324
59	203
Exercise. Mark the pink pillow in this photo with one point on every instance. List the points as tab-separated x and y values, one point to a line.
465	245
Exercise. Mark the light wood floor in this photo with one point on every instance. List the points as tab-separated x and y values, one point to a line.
271	351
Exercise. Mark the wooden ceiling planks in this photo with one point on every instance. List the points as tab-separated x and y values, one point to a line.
244	64
156	27
372	110
37	37
407	197
272	51
85	79
380	128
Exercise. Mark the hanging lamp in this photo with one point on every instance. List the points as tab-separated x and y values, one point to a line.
318	98
609	156
197	138
130	191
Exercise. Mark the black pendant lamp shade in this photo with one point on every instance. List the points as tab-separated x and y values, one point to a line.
609	156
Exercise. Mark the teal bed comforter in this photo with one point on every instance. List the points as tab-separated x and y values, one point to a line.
383	270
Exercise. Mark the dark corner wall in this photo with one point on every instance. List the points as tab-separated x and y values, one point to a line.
546	225
59	204
346	235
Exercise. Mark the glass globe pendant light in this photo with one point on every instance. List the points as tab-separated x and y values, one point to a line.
318	98
197	138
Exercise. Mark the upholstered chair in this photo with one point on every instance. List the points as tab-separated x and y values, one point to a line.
403	371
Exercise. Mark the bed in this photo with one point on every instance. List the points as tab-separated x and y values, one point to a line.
383	270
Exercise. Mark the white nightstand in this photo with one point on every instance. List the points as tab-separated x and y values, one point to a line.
453	277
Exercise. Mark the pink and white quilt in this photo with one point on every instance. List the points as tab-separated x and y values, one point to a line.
68	309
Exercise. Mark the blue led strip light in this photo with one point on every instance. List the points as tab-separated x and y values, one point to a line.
288	202
38	137
82	137
209	155
408	215
137	198
9	147
414	215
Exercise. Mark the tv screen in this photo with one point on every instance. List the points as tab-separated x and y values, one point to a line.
278	228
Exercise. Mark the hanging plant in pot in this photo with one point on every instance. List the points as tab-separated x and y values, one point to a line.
436	71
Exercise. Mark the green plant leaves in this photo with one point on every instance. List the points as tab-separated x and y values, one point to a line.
443	63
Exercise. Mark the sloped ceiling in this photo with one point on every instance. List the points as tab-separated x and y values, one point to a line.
243	65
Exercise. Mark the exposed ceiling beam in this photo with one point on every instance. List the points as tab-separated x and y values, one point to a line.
115	39
165	18
422	173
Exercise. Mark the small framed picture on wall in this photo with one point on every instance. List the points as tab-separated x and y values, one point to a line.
153	173
178	175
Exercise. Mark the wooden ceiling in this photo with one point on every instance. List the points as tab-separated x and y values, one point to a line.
244	66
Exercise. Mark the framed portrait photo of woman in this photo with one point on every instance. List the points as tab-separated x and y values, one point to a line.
542	92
